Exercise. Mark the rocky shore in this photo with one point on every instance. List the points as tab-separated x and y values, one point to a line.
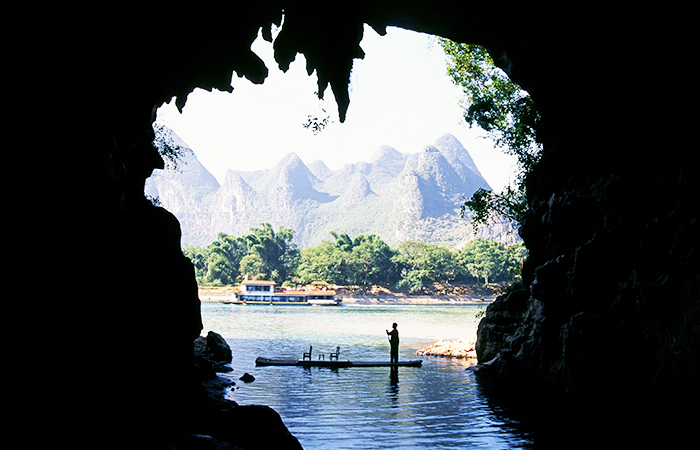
223	424
463	348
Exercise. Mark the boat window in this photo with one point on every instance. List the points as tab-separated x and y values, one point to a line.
259	288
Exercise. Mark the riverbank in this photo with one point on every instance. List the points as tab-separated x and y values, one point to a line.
463	348
434	295
414	300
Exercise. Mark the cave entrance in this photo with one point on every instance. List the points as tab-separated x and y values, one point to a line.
400	96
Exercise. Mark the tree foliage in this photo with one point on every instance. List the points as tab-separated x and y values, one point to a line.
171	152
509	116
515	258
483	258
360	261
261	254
271	256
420	263
366	259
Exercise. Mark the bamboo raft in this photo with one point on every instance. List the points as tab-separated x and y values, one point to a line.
261	361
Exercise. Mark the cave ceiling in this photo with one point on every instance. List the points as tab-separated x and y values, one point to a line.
156	61
129	61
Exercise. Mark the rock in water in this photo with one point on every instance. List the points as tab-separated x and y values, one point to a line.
247	378
219	348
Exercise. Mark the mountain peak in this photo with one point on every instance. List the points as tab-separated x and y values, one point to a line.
320	170
358	190
432	166
453	150
234	179
290	179
397	196
460	159
386	153
387	163
290	159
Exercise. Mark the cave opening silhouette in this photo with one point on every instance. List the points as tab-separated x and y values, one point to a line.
612	227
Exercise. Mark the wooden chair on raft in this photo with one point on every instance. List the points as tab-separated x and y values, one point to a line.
307	355
334	355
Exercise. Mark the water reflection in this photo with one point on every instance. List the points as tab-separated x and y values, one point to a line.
436	405
394	386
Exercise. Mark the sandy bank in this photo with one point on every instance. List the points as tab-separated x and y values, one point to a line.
437	295
214	296
455	349
218	296
415	300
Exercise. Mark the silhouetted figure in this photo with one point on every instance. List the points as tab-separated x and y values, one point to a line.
394	342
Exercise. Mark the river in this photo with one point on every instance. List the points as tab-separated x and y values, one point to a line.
438	405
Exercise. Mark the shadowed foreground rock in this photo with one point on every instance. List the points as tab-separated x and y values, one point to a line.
224	421
215	348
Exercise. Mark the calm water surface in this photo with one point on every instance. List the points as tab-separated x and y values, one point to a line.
438	405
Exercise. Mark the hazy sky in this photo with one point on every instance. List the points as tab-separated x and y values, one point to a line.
400	96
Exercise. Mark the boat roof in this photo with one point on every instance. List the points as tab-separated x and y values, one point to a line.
306	292
258	282
316	287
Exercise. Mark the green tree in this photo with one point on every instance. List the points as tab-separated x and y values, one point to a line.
515	257
223	259
483	258
509	116
322	262
198	256
364	260
371	260
421	263
276	255
219	270
343	241
263	253
254	267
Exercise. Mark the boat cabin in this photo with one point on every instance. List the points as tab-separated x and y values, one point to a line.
265	292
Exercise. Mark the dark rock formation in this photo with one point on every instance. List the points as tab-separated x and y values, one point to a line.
215	350
503	318
247	378
612	226
223	422
218	348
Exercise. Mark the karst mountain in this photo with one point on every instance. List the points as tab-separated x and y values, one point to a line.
397	196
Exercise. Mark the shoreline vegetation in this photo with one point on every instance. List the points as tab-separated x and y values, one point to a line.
437	294
363	261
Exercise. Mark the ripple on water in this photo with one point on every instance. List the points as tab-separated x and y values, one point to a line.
436	405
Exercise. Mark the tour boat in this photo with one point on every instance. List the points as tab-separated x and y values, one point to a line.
264	292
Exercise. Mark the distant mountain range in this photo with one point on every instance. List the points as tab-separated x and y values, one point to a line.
397	196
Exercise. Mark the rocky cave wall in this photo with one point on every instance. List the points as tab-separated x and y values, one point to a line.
612	227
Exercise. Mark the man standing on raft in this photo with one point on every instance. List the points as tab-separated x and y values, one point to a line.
394	342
